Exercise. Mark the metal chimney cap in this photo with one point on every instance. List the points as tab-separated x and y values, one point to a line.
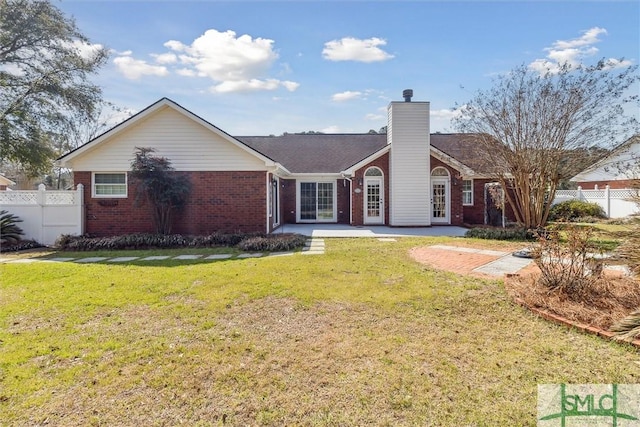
407	94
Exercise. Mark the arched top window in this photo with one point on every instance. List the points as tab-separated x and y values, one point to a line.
440	171
373	171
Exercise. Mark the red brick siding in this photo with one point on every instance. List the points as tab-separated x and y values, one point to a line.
381	162
614	185
219	201
474	214
288	200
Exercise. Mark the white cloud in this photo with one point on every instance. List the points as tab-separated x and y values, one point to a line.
331	129
86	50
186	72
134	68
252	85
375	117
352	49
573	52
346	96
165	58
236	64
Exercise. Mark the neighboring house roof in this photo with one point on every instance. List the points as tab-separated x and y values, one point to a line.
622	163
6	181
317	153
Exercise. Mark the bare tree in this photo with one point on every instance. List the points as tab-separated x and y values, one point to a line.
527	123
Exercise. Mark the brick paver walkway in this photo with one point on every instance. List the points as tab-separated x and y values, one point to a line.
470	261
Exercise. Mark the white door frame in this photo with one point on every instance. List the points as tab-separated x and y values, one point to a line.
447	200
373	219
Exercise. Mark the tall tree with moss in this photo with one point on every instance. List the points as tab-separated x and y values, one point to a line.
45	65
529	123
158	184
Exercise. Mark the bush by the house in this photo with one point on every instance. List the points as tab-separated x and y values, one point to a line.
576	211
22	245
245	241
10	233
491	233
273	243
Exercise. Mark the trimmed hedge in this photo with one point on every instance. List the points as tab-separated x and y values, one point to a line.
501	233
22	245
244	241
576	211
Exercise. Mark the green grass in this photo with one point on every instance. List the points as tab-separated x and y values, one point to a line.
362	335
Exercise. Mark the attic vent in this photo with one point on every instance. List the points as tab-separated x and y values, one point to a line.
407	94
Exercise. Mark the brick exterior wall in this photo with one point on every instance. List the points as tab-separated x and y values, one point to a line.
474	214
218	202
614	185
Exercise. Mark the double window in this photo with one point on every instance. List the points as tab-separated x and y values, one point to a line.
112	184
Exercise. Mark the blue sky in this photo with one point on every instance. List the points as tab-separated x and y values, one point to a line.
264	67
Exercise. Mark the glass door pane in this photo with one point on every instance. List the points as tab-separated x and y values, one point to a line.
307	200
325	200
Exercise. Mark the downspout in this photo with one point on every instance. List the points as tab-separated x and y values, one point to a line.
350	198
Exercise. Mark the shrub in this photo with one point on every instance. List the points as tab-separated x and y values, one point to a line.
568	265
272	243
9	231
574	210
501	233
20	246
163	241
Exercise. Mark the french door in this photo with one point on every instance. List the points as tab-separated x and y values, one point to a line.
440	201
373	202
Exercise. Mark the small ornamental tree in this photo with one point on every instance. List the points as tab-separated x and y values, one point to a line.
159	184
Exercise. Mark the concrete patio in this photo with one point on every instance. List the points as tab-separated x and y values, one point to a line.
342	230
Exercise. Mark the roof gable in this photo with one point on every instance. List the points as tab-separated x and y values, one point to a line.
192	126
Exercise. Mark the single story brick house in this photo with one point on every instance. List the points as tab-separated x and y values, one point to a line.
407	177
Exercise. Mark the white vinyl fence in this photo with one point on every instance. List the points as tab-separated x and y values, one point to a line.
46	214
615	203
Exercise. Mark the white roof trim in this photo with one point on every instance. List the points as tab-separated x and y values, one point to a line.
162	103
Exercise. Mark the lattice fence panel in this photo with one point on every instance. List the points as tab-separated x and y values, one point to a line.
60	198
18	197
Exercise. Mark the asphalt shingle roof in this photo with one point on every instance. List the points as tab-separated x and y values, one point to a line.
333	153
316	153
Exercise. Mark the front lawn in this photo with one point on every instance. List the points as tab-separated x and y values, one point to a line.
362	335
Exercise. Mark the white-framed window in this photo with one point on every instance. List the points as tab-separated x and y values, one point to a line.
109	184
467	192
